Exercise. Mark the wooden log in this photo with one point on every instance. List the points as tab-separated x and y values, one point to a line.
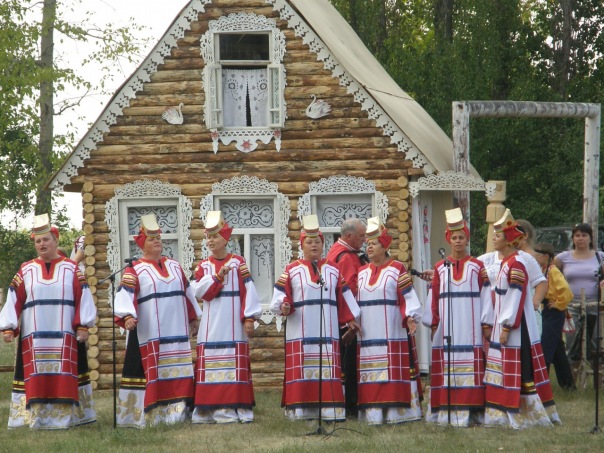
87	186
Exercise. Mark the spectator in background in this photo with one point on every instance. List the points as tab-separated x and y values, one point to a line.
553	316
581	267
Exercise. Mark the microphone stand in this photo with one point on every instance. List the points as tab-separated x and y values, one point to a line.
320	430
448	336
113	341
596	364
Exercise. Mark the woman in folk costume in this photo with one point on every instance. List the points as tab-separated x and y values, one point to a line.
518	391
309	290
389	380
223	377
460	312
51	387
156	304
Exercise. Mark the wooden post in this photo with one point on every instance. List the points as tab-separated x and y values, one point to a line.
591	173
461	153
495	210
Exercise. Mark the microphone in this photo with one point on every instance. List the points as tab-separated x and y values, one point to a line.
315	266
414	272
441	252
130	260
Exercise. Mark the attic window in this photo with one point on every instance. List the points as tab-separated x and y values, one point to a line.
243	47
244	80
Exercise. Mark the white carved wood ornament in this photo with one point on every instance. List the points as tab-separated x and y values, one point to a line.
128	91
246	186
173	115
317	109
149	190
246	139
450	181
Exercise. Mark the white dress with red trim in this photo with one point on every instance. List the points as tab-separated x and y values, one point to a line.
224	392
388	374
157	386
460	311
300	287
51	387
518	391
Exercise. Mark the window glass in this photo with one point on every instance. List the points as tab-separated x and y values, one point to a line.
244	47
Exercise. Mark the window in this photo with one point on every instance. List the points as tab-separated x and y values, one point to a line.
338	198
244	80
174	213
166	211
258	214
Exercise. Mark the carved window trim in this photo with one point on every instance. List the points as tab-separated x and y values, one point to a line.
246	139
149	190
252	187
341	185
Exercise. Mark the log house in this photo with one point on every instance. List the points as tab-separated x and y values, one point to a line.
268	110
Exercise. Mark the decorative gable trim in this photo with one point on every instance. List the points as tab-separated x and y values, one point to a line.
169	41
368	104
451	181
127	92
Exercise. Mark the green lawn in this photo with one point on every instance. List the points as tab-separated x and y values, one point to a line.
272	433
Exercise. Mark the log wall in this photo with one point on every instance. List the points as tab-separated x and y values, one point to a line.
141	145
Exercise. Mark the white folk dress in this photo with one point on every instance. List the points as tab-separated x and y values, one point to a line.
51	301
300	287
459	310
224	392
389	378
157	382
518	391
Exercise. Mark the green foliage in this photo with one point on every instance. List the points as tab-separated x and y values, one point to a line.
22	75
501	50
18	248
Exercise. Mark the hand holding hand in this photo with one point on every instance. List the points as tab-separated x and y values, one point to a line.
130	324
82	335
354	327
411	326
194	327
248	327
348	336
503	337
8	337
285	308
223	272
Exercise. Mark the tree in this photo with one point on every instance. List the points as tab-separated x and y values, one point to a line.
440	51
34	81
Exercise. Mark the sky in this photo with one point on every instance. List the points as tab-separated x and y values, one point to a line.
157	16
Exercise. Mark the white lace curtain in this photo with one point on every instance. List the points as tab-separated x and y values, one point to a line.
240	87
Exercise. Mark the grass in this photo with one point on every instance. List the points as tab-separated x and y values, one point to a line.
270	432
